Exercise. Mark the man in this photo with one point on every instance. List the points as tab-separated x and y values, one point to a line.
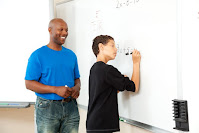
52	73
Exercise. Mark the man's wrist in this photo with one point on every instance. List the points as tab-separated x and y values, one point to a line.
77	87
54	90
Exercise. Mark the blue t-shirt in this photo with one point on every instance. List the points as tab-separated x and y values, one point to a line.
54	68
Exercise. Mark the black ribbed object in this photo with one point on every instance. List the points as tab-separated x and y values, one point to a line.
180	112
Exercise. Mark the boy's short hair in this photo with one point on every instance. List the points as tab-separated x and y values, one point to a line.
100	39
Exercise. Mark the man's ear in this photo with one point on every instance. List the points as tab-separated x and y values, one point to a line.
101	47
49	29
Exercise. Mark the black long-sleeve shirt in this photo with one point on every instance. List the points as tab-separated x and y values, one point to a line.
104	81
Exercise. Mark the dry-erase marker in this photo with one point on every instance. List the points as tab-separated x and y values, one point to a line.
129	53
13	104
3	103
122	120
67	86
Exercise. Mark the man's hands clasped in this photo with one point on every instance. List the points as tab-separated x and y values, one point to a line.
66	91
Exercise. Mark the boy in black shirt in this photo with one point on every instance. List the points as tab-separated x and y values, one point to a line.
104	83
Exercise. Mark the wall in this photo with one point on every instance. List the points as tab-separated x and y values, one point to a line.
24	28
189	64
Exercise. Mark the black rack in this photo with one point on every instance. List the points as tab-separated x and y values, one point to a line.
180	115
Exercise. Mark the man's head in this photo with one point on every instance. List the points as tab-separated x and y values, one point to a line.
105	45
58	30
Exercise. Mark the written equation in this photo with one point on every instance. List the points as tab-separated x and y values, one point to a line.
96	23
123	3
124	50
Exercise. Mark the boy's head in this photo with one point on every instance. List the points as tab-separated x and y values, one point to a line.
101	39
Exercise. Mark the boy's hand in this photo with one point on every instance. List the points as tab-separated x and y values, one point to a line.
136	56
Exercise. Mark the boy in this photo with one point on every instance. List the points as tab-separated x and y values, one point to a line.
104	82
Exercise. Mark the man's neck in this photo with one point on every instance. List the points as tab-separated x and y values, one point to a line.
55	46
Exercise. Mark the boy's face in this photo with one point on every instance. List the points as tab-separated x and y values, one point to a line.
110	50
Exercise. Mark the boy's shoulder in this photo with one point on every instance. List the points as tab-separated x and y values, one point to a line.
102	66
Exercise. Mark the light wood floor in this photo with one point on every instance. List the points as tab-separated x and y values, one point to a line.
21	120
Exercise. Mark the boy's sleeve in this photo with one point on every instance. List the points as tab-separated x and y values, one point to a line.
33	70
118	81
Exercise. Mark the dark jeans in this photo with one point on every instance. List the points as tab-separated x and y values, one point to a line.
56	116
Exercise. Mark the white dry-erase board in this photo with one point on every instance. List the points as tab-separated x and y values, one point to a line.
24	28
149	26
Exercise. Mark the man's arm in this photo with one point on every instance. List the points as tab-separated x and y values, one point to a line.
76	89
41	88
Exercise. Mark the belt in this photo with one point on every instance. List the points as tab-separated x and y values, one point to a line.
67	100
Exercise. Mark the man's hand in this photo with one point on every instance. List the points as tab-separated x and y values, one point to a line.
75	92
63	91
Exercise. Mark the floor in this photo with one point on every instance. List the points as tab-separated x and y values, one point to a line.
21	120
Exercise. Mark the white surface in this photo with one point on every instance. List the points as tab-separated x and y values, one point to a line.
24	28
190	55
150	27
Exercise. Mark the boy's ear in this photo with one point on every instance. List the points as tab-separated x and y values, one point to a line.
101	46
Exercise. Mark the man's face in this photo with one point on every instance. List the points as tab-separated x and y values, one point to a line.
59	32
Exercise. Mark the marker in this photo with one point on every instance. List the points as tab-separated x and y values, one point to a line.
3	103
128	53
13	104
9	104
67	86
122	120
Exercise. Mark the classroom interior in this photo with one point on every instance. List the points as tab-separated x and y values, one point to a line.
181	41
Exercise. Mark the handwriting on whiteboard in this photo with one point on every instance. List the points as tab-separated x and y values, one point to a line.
123	3
198	15
96	23
125	51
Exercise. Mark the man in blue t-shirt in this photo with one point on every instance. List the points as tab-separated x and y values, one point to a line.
52	73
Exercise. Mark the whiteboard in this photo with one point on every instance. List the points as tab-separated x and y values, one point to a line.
150	27
190	54
24	28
